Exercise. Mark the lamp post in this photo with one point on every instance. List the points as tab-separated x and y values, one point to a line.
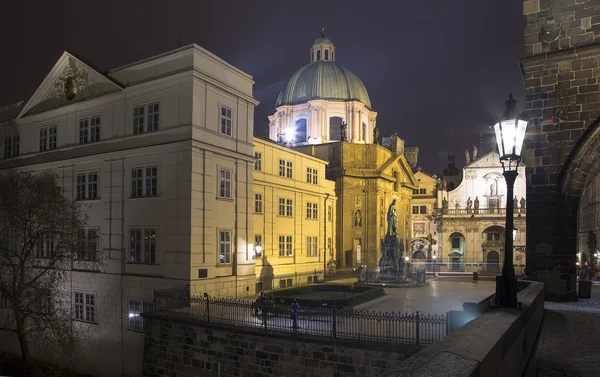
510	133
434	257
258	251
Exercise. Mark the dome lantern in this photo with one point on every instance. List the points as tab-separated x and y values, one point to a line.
322	49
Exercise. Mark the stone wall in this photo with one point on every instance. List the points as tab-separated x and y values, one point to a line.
190	348
498	343
561	70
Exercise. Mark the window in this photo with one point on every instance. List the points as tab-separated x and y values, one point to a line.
423	210
226	121
455	243
45	246
258	241
258	203
326	54
285	168
85	306
48	138
423	191
416	192
493	236
225	183
311	247
396	181
224	246
329	213
137	307
312	176
415	210
285	207
11	146
87	186
87	244
89	129
285	246
146	118
312	211
329	244
258	163
147	244
144	181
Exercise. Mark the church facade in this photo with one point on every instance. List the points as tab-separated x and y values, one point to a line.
325	111
471	218
424	243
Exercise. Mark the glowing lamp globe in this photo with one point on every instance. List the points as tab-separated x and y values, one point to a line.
510	133
290	135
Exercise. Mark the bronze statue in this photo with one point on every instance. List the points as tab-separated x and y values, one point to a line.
392	219
376	135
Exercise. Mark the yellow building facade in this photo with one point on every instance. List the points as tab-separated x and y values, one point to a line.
424	230
294	216
368	178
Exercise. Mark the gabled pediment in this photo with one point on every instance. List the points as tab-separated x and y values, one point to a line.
488	160
71	80
398	162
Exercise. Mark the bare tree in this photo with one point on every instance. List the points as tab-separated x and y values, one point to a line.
40	240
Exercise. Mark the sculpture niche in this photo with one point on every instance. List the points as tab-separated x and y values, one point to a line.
391	252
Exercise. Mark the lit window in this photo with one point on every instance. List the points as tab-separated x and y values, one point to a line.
257	242
224	246
45	246
137	307
87	186
258	203
285	246
142	249
312	211
144	181
312	176
11	146
226	121
48	138
87	244
85	306
225	183
312	249
285	207
89	129
258	163
146	118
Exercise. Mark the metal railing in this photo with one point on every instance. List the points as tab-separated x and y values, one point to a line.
481	211
333	325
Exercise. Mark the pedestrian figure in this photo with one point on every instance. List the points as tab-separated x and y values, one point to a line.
295	306
259	302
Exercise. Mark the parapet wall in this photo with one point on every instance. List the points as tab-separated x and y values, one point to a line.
191	348
498	343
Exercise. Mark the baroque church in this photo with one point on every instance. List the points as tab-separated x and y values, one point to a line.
325	111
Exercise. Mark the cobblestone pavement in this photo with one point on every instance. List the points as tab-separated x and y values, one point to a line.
568	343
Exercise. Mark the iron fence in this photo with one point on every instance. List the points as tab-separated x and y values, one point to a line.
319	323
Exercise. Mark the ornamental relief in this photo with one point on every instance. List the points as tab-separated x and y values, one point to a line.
72	76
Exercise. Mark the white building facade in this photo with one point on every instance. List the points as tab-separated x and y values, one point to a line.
160	152
471	218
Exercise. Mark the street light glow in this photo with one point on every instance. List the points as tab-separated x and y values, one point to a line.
290	135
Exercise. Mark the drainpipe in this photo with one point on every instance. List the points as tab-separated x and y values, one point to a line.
326	212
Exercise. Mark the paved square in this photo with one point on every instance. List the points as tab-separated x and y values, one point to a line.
437	297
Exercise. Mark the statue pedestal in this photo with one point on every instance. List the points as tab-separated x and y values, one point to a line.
391	264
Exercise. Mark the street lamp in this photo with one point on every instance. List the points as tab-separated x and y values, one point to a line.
434	257
510	134
257	250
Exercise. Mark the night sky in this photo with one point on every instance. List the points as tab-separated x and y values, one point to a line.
429	66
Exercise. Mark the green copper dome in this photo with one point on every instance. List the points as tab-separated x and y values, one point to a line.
326	80
322	39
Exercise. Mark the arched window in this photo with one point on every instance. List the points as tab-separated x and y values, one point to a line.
335	132
332	56
364	131
300	131
318	54
326	54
